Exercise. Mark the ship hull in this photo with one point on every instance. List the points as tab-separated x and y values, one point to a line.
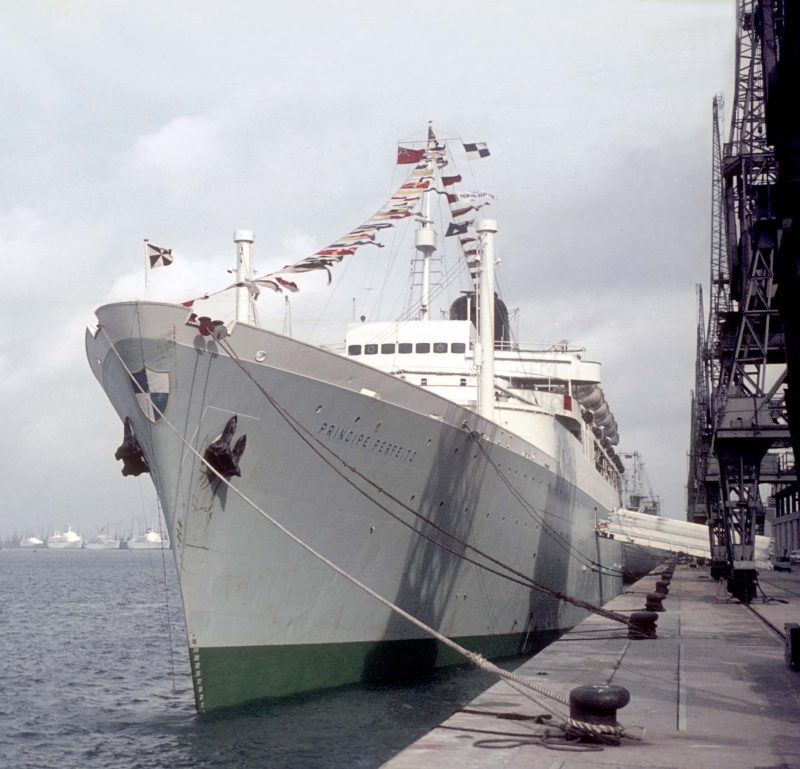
369	471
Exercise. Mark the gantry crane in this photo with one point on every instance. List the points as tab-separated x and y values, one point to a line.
744	356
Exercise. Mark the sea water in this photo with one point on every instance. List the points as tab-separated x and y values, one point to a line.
96	674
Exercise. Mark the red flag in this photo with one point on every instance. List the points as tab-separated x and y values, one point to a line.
406	156
288	284
448	180
336	252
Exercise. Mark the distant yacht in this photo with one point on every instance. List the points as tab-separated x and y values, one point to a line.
102	541
31	542
150	540
66	540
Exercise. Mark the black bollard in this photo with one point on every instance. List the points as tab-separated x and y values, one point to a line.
653	602
597	704
662	587
642	624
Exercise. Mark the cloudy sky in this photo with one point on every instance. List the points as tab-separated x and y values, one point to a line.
182	121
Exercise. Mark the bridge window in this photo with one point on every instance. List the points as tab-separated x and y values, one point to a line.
370	349
440	346
387	349
405	347
354	349
423	347
458	347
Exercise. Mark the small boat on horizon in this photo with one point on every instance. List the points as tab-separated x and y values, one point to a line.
67	540
102	541
150	540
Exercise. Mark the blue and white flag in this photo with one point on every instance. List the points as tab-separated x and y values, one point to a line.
152	391
158	257
476	150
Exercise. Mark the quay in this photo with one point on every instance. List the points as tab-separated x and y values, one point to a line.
713	689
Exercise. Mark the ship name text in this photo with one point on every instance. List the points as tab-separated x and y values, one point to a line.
371	443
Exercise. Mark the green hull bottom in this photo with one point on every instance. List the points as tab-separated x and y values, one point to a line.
229	676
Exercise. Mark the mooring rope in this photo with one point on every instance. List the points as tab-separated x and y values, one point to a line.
583	727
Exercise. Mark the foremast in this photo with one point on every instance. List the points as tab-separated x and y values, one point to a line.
486	229
425	239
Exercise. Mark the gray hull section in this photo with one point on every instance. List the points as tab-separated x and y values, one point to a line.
312	420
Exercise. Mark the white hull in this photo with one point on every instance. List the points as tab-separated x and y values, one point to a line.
55	545
106	545
133	545
246	586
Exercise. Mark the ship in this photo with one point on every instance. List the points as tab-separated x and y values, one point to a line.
64	540
149	540
101	541
430	465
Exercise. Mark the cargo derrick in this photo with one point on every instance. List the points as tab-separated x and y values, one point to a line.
746	350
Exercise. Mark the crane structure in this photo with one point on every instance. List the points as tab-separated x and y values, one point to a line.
700	437
742	438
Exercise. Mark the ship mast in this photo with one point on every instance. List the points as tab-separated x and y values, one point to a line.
486	229
425	242
244	271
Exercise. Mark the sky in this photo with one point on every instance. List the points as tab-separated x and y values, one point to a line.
184	121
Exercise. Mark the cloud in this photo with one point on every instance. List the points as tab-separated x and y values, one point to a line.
183	126
184	147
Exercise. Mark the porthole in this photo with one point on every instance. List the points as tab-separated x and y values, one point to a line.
260	356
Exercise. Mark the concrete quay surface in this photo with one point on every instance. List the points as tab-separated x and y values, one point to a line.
712	690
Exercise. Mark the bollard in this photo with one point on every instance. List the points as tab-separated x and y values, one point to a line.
662	587
653	602
642	624
597	704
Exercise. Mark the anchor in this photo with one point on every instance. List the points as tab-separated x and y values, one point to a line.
220	455
130	452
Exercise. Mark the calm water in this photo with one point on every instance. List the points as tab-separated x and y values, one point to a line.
96	674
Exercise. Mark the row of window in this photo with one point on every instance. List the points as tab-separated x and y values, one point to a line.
404	348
